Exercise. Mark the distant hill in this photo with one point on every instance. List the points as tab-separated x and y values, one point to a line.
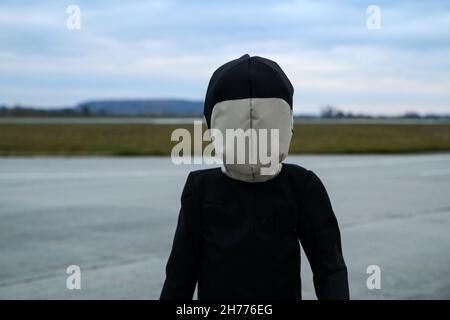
148	107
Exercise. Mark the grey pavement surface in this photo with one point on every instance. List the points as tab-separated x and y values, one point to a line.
115	218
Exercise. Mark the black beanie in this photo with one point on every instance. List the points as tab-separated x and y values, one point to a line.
247	77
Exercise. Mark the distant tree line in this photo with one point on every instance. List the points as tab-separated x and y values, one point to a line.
330	112
86	110
19	111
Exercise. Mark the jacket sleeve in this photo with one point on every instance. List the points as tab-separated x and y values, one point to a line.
182	266
321	240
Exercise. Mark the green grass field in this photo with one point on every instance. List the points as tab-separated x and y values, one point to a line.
150	139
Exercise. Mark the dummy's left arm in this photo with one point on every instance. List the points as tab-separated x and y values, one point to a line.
321	240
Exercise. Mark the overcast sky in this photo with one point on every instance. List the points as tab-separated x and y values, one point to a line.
146	49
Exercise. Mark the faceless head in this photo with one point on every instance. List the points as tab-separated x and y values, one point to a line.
252	97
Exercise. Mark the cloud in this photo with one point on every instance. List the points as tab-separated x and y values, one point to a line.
170	48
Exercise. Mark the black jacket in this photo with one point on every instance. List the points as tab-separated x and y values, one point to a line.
240	240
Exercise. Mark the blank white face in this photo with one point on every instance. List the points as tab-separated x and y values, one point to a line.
261	115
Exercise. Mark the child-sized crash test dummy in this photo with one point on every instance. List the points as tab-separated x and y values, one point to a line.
239	228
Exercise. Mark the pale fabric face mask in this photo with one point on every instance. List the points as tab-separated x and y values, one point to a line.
271	121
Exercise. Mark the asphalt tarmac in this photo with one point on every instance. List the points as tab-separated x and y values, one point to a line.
115	219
